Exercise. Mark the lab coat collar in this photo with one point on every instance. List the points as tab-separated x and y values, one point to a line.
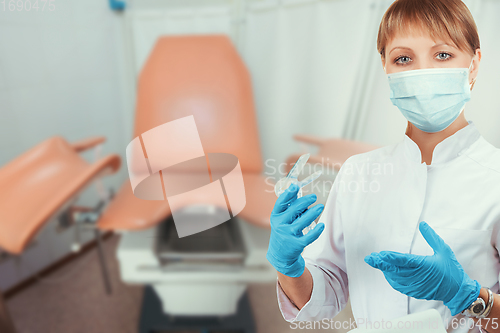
446	150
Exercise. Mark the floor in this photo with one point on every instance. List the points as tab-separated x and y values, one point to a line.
72	299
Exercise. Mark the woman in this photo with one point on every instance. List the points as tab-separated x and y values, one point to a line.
376	247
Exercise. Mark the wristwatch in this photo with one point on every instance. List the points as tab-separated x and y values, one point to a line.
479	308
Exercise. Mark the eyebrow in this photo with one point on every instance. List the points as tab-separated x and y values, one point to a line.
400	47
407	48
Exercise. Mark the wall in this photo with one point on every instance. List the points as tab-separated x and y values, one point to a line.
61	73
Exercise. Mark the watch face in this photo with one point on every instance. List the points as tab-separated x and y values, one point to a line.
478	308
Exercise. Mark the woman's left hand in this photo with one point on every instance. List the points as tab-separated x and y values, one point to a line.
438	277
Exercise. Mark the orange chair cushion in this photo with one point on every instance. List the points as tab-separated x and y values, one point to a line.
37	184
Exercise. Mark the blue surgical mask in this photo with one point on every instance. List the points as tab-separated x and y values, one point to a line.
430	98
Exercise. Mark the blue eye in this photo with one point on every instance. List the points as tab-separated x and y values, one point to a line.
405	59
448	56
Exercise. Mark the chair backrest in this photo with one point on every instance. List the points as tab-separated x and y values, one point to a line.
203	76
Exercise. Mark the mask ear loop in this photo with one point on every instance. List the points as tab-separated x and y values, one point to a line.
471	85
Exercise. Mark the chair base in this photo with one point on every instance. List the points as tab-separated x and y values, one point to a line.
154	320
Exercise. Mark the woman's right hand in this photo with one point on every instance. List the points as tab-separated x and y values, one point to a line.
289	216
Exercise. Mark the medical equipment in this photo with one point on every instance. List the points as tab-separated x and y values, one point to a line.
204	274
291	178
438	277
289	217
48	178
43	184
430	98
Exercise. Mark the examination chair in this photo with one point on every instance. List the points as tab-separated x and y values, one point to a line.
205	274
42	184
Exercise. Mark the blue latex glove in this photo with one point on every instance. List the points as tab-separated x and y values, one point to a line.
289	216
438	277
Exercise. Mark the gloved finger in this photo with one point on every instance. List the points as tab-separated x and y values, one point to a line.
312	235
433	239
406	272
400	259
304	202
369	259
375	261
285	199
402	271
306	218
396	284
299	206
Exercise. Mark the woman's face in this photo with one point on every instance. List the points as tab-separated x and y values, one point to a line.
417	51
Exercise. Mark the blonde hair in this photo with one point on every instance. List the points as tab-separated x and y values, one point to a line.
443	19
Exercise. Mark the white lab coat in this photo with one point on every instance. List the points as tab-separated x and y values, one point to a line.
377	200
